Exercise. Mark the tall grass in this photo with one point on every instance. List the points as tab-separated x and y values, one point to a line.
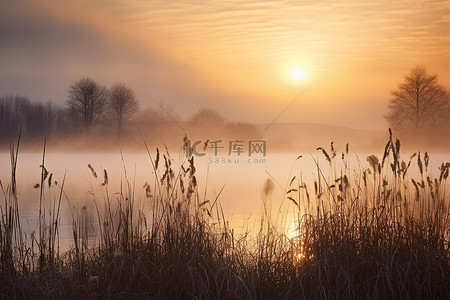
361	232
376	233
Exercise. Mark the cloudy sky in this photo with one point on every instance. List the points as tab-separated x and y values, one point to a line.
233	56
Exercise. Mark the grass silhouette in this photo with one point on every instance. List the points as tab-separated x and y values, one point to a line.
369	232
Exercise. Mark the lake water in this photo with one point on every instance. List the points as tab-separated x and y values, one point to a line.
241	177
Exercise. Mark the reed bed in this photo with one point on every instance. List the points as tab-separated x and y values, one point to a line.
369	231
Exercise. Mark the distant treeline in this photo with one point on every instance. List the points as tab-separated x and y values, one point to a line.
418	112
92	111
33	118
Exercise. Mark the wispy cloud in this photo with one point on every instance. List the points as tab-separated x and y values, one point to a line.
241	43
349	30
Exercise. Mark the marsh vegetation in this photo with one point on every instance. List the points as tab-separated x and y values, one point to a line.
372	231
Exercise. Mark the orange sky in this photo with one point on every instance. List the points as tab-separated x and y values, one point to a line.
234	56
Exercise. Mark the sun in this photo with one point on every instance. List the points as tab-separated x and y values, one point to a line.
298	73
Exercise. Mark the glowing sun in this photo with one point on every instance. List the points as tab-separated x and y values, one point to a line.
298	73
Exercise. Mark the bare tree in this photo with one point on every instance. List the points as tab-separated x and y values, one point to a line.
162	114
122	104
41	119
33	118
208	118
419	103
86	101
13	112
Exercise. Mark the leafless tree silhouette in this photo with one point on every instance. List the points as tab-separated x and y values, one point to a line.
86	101
419	104
33	118
121	105
208	118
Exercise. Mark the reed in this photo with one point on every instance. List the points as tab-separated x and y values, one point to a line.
366	231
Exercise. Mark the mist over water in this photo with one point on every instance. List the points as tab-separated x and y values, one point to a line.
245	149
238	182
